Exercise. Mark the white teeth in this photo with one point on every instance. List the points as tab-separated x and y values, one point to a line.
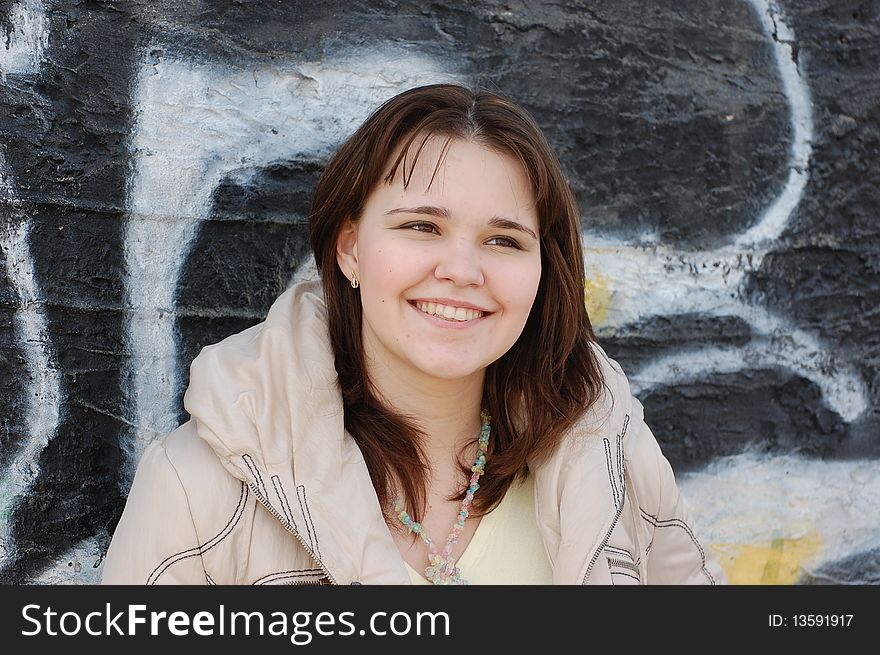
448	312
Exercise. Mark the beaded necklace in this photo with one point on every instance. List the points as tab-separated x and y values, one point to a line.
441	569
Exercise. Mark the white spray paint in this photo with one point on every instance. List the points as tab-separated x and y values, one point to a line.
708	283
21	48
775	217
658	280
21	53
42	403
194	124
752	499
81	564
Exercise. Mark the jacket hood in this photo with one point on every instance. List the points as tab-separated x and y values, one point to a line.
267	401
271	391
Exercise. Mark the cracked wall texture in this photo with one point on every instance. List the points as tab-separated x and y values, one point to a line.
157	161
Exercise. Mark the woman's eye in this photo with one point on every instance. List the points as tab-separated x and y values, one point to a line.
421	227
506	242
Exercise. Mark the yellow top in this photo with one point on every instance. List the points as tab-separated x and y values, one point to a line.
506	547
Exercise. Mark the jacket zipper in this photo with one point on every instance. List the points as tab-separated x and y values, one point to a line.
602	545
283	521
307	582
616	515
624	564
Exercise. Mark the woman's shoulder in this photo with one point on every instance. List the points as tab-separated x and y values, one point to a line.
183	447
614	411
178	494
614	382
192	462
617	418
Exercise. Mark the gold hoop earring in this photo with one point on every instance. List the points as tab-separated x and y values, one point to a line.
354	281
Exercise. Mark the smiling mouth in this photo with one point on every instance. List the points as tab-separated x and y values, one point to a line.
449	313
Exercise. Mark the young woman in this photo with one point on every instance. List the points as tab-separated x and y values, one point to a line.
436	409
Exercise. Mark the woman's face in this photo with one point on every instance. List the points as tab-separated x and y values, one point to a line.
449	268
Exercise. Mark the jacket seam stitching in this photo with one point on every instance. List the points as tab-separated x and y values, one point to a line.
285	504
295	573
307	515
619	508
678	523
290	511
317	577
275	483
610	467
314	530
256	473
199	550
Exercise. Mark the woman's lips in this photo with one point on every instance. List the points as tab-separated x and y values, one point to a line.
448	312
468	317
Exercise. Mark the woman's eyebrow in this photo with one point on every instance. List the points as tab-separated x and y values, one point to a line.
442	212
507	224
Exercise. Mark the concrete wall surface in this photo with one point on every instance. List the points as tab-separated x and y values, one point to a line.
157	160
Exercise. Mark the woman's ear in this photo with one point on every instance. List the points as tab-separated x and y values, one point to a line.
346	249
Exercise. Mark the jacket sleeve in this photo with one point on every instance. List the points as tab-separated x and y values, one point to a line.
155	541
675	555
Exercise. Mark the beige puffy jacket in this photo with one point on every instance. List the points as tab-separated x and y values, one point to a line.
264	486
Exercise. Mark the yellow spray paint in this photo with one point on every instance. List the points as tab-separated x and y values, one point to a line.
778	562
597	296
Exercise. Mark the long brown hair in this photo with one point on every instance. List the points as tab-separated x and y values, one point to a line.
538	389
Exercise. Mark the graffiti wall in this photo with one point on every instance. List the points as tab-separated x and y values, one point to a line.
157	161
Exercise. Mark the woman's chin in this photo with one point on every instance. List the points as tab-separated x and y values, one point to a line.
452	372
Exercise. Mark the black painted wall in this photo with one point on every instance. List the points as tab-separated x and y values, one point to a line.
723	155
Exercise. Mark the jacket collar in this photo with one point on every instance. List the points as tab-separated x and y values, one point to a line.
267	401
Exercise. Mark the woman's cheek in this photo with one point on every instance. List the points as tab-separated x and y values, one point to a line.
521	282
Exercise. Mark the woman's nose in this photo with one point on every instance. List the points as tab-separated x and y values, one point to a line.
460	263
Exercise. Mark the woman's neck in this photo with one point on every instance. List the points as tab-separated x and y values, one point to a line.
448	411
